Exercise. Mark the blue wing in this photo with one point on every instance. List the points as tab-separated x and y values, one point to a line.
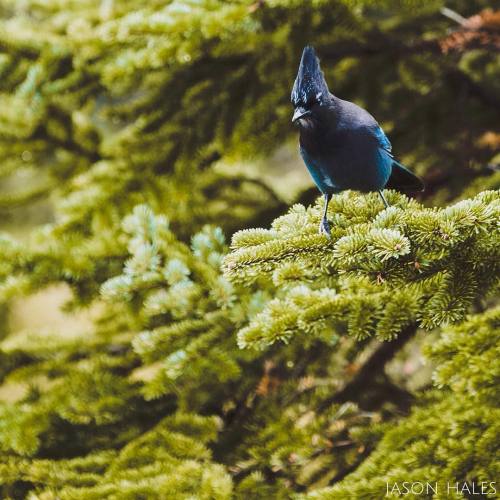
382	140
401	178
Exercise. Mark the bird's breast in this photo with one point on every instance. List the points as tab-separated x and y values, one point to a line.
341	165
321	171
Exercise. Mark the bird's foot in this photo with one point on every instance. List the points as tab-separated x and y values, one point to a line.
324	228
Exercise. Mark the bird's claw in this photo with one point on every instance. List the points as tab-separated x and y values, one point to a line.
324	228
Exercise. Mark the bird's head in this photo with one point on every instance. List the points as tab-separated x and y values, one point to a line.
310	90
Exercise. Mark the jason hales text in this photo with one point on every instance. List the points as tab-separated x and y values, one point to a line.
433	487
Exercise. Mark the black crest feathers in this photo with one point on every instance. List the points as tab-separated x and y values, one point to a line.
310	84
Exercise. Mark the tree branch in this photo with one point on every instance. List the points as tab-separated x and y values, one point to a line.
371	368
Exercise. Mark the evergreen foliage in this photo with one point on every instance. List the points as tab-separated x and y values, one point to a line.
381	271
255	369
168	461
461	448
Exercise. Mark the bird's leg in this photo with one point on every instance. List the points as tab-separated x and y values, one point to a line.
324	227
386	205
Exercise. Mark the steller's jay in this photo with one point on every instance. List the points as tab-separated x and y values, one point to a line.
341	144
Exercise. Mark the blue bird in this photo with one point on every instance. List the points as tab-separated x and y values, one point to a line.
341	144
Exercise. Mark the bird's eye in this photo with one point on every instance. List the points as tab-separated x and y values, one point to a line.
310	103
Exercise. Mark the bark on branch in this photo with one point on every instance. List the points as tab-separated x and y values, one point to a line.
373	367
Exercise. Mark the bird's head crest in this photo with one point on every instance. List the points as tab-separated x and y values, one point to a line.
310	85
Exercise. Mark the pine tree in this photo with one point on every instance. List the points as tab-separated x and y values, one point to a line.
255	369
455	451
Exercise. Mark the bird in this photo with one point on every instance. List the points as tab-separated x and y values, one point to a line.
342	145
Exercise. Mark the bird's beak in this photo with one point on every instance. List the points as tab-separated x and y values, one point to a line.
299	113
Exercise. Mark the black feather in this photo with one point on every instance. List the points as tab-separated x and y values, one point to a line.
402	179
310	85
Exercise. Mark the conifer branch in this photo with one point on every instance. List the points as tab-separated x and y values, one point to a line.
356	388
416	260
